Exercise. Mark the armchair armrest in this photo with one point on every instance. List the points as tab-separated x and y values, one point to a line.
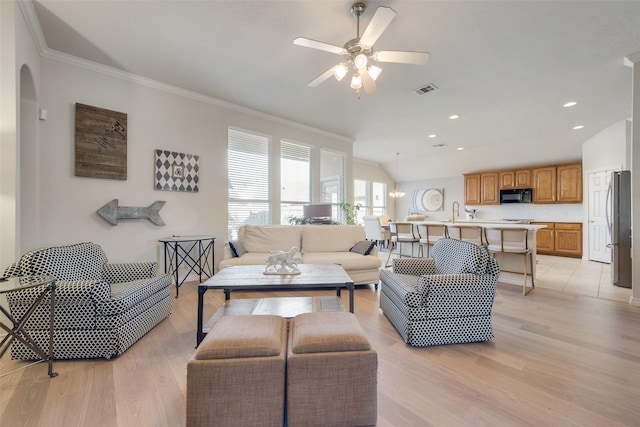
127	272
12	271
452	284
68	292
414	266
457	295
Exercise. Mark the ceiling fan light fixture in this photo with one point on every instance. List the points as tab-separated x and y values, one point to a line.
340	71
374	71
356	81
360	61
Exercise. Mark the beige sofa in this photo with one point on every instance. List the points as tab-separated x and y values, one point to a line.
319	244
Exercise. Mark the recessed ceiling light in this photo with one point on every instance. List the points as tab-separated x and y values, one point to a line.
578	127
433	135
460	148
570	104
454	116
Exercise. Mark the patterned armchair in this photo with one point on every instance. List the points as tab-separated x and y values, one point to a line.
101	309
446	299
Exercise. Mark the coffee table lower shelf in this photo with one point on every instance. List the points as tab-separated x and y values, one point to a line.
287	307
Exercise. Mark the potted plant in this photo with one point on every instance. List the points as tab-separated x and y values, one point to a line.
350	212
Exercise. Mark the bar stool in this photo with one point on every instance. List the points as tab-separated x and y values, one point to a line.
430	234
402	232
512	241
468	233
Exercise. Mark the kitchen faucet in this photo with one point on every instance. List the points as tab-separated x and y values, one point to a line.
455	210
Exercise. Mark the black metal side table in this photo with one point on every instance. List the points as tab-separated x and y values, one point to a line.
16	330
178	252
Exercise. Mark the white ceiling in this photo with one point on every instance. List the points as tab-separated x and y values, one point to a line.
506	67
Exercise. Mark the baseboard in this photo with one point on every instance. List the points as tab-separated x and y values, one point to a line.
634	301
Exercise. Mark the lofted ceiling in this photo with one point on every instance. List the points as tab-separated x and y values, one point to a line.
506	67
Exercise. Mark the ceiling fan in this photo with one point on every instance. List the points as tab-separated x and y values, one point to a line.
359	52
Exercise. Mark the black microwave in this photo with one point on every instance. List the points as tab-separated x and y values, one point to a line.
518	195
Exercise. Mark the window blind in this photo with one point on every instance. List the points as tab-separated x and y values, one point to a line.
248	171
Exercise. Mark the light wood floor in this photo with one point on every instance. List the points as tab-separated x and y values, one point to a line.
557	359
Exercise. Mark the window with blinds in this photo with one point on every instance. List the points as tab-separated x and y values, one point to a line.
295	179
248	169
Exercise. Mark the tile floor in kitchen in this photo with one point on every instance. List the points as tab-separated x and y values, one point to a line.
579	276
572	275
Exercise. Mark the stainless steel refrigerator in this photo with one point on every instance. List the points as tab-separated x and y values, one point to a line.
619	223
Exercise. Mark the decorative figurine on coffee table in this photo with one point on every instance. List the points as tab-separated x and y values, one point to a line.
283	262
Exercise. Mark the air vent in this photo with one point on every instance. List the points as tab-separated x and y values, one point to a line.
439	145
429	87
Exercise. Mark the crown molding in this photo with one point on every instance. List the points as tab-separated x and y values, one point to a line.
632	59
29	12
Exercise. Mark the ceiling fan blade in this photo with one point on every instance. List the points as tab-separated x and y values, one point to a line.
380	21
322	77
313	44
401	57
367	82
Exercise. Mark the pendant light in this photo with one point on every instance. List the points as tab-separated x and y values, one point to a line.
396	193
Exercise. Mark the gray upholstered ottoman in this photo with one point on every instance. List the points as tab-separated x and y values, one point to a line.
237	375
331	372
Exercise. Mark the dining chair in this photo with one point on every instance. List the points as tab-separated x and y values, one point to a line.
429	234
402	232
373	229
512	241
467	233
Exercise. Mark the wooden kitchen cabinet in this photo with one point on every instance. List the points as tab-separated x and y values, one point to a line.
507	179
550	184
544	184
545	242
568	239
489	188
481	189
569	183
520	178
560	239
472	189
523	178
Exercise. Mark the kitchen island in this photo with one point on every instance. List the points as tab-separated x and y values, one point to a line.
511	265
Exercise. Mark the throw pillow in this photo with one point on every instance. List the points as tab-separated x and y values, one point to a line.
237	248
363	247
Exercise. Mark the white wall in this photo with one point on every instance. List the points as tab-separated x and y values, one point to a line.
156	119
609	149
18	57
374	172
453	191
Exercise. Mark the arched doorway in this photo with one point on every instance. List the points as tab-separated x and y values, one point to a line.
27	224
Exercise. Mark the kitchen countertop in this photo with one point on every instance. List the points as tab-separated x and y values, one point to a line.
482	223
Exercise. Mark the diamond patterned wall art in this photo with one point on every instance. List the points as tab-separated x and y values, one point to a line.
176	171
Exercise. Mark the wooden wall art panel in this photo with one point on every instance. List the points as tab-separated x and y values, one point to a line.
100	143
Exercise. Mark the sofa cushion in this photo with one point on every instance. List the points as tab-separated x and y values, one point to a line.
348	260
237	248
454	256
324	332
265	238
243	336
363	247
250	258
330	238
82	261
